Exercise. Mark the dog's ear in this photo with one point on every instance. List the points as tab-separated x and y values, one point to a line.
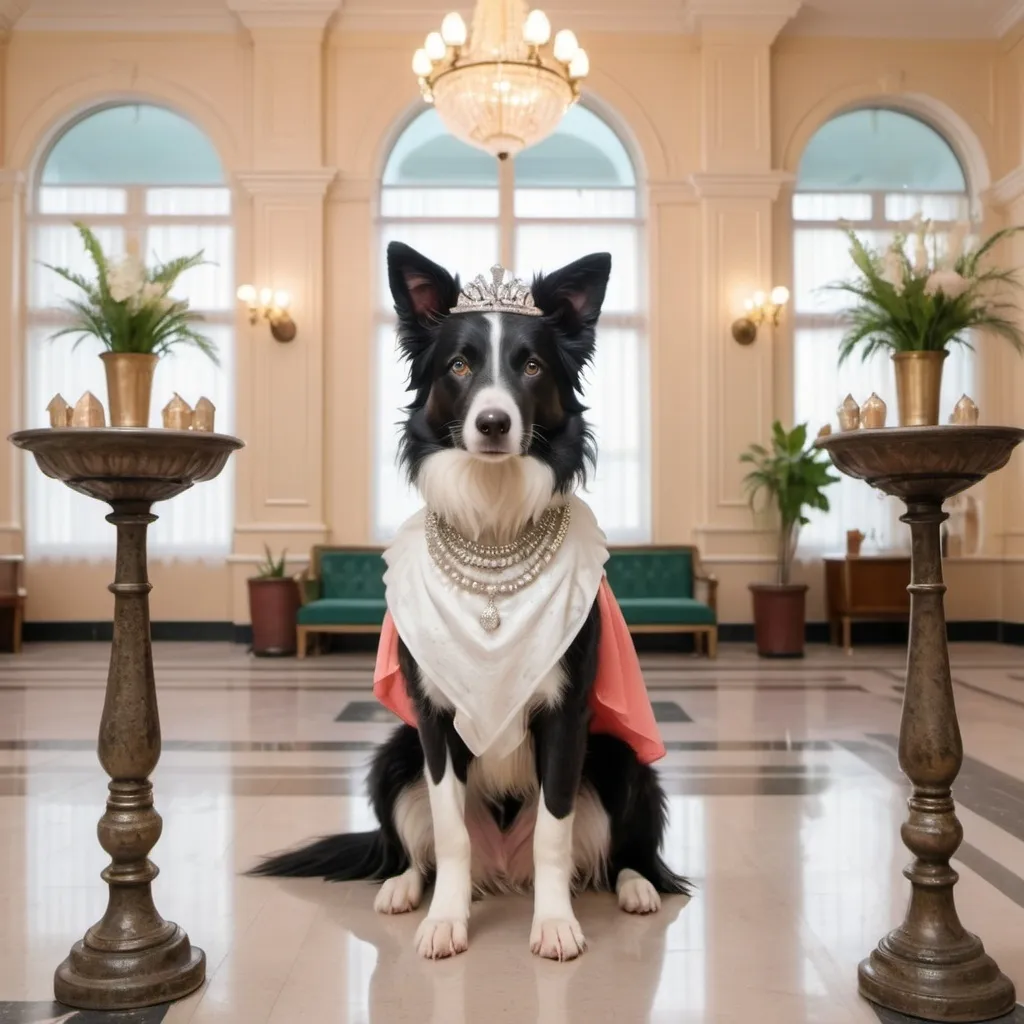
422	290
571	300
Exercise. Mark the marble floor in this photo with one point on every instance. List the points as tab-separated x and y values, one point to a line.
786	803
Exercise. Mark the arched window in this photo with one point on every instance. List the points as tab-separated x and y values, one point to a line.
873	170
146	181
572	194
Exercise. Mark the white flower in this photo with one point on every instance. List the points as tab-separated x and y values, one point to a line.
949	282
151	294
126	279
892	269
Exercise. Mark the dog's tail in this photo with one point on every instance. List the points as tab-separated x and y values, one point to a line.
341	858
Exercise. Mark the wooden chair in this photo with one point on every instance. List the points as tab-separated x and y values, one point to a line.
12	596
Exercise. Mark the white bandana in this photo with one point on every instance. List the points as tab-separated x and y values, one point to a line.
491	677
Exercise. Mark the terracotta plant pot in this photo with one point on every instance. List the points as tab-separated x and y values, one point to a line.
779	618
273	605
129	387
918	386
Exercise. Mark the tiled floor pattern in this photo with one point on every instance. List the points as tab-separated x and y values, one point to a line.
785	804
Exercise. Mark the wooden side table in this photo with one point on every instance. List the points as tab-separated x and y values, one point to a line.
12	595
865	587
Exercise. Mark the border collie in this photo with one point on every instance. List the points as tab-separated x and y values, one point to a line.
494	437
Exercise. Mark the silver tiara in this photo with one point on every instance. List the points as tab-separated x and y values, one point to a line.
504	293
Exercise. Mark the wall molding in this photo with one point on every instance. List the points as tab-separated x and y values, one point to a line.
1007	190
314	181
737	185
284	14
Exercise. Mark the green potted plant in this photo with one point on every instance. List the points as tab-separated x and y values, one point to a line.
918	306
792	476
273	605
129	309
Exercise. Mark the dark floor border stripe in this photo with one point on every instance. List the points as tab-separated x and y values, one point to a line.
863	633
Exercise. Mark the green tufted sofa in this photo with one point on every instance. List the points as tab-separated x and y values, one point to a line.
657	589
342	591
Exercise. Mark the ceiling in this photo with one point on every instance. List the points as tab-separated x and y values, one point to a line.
931	19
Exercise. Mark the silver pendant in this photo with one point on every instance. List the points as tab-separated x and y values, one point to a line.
489	617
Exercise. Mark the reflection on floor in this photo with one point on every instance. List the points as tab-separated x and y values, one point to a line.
786	802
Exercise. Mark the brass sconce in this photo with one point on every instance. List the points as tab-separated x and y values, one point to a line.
760	308
271	306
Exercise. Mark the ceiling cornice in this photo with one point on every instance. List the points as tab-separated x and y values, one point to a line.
278	14
115	18
1010	19
740	17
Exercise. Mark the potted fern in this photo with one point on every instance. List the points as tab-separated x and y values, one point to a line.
918	305
273	606
128	307
792	476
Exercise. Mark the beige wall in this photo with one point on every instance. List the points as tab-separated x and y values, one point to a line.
303	118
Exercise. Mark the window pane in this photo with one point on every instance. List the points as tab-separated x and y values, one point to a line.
183	202
844	206
134	144
51	199
940	208
467	250
209	286
439	202
540	247
591	203
822	257
582	151
879	150
394	499
60	245
427	154
613	391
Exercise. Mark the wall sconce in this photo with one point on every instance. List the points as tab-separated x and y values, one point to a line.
272	306
760	308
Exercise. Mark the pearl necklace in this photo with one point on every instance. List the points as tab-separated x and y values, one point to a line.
484	569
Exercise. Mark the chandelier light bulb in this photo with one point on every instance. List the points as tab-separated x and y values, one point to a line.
536	28
780	295
246	293
579	66
435	46
566	45
453	29
422	65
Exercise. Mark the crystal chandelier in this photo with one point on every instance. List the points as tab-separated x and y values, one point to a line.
504	91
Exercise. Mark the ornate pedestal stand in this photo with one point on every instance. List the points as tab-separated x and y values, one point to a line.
132	957
930	966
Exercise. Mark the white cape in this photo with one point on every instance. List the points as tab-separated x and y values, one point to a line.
490	678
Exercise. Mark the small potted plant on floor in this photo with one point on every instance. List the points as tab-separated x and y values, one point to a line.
792	476
273	605
128	308
918	304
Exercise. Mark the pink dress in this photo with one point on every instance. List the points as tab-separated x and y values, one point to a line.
618	700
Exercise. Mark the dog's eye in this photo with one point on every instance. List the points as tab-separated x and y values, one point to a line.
459	367
532	368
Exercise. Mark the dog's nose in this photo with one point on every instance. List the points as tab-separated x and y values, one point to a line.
492	422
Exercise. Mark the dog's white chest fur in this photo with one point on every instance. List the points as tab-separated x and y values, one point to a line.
491	678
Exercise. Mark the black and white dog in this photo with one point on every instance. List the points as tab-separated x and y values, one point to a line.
494	436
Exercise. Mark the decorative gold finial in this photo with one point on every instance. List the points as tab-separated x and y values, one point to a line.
88	412
872	413
203	415
965	412
60	412
849	414
177	414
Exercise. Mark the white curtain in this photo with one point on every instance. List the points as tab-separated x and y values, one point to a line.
821	257
157	223
551	227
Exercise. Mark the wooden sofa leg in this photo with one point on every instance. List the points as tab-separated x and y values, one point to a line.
16	626
302	634
712	641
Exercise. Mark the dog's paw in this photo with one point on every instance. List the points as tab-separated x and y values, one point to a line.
400	894
556	939
437	938
636	894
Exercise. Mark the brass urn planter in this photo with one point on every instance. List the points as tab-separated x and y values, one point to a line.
918	386
129	387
